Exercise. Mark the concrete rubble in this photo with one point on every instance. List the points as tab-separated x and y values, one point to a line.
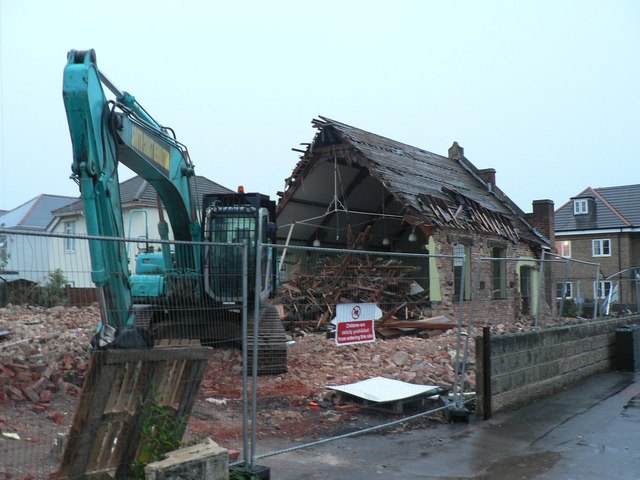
204	460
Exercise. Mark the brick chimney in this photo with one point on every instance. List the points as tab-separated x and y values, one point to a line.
456	152
543	219
489	176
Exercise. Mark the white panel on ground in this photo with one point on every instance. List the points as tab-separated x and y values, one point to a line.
380	389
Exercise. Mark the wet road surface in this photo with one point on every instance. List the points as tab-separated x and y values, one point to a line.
591	431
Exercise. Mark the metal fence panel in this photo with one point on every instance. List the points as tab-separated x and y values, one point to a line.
335	389
50	313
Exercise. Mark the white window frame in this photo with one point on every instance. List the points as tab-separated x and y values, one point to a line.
70	243
597	247
600	289
568	290
581	206
564	248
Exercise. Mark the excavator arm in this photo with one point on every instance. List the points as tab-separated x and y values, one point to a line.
105	133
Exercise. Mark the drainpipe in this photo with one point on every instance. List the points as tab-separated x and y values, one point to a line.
619	264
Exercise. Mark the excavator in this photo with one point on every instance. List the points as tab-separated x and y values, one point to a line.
195	289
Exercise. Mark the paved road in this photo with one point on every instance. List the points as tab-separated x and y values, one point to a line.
591	431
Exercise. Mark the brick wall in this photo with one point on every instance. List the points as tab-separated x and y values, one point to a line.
624	254
530	365
486	309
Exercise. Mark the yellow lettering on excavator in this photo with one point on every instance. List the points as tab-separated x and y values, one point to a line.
149	147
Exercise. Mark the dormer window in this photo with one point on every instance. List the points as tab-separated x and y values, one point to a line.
581	206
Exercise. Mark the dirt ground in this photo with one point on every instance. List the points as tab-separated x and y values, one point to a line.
44	357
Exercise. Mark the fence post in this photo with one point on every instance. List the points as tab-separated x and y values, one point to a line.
486	372
596	296
245	352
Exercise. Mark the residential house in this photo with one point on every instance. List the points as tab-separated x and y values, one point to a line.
140	214
27	257
412	200
602	226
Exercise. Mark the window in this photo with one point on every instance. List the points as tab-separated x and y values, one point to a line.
499	273
461	258
563	247
601	289
564	290
581	206
70	243
601	248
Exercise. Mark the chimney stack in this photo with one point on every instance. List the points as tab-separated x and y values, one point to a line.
489	176
543	219
456	152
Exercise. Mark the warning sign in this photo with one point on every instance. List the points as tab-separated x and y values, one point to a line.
355	323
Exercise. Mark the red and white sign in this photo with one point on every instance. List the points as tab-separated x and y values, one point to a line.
355	322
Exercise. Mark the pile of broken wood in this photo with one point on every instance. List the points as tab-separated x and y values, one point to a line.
308	300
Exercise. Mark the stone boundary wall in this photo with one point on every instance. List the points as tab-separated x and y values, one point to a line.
529	365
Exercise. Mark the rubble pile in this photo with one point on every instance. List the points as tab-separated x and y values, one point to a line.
315	361
308	300
409	359
286	402
43	352
44	358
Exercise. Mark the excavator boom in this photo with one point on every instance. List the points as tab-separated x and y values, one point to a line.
194	291
105	133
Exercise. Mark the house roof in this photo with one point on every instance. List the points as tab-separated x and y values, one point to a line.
138	192
611	207
383	176
37	213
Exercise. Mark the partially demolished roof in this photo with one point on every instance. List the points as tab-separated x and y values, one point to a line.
427	189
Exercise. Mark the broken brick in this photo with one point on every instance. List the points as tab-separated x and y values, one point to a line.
31	394
23	377
45	396
57	417
14	393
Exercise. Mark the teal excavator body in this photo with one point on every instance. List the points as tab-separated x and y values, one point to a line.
105	133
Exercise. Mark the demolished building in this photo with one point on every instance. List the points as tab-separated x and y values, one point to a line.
349	181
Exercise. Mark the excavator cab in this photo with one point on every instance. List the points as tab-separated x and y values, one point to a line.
230	220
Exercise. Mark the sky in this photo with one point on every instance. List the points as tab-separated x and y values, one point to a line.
547	92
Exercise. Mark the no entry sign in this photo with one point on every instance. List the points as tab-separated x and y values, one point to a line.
355	322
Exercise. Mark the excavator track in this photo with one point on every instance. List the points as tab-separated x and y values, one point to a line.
272	343
223	327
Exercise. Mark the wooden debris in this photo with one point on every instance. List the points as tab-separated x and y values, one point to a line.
308	300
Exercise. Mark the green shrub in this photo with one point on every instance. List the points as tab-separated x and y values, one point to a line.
161	433
52	293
